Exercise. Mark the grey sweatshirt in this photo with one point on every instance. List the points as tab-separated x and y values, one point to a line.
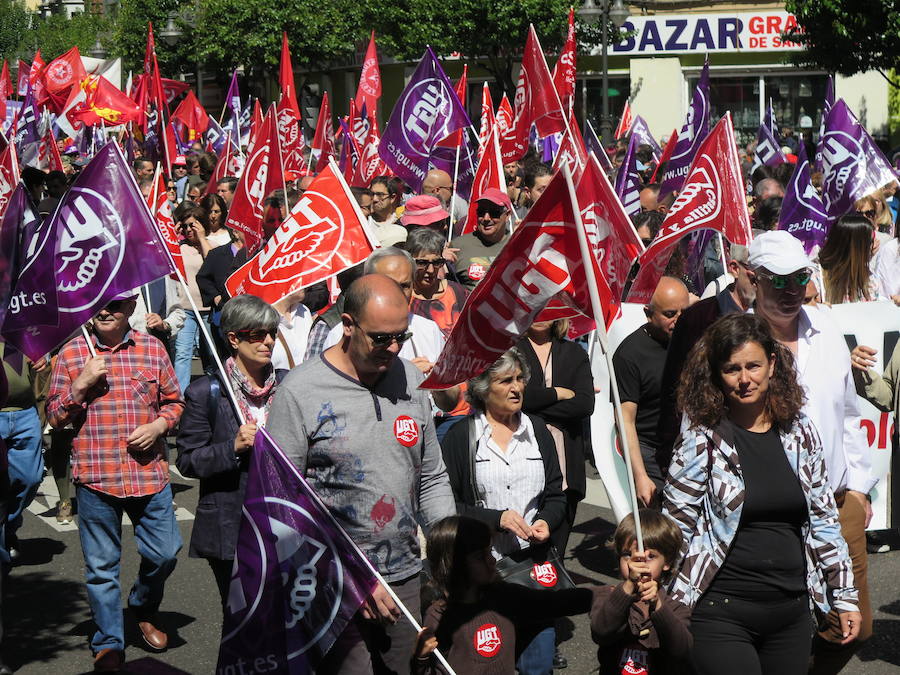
370	454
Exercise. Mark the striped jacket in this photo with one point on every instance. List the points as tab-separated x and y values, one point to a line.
705	496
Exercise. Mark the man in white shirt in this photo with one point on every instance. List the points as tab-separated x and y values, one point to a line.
293	331
782	271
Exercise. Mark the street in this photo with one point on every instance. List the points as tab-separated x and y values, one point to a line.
48	619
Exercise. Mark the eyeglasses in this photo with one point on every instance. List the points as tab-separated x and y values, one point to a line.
493	211
255	335
115	306
780	281
384	340
380	195
423	263
869	213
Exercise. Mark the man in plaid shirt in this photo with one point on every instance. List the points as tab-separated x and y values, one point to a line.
122	403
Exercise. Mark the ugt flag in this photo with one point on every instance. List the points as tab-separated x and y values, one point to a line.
101	242
628	180
427	111
297	578
802	211
690	137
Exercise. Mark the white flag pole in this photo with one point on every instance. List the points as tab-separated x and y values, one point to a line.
602	338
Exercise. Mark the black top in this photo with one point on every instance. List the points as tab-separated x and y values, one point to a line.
766	557
639	363
219	264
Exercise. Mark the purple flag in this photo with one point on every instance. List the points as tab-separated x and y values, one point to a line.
628	180
593	145
100	242
233	97
768	152
297	579
216	135
802	211
640	129
26	135
348	150
853	165
427	111
771	123
444	158
826	108
549	147
20	225
692	134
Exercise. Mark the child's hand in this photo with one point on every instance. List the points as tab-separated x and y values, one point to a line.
638	567
649	593
425	643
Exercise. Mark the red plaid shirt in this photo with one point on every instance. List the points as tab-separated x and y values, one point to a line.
140	387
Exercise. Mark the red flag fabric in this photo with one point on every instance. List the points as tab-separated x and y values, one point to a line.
103	103
192	115
487	118
370	163
489	174
713	197
564	70
161	208
288	99
48	154
6	89
256	122
34	76
624	122
260	177
222	164
666	154
291	140
24	68
9	176
571	151
64	72
541	261
455	139
323	235
172	89
149	50
369	89
323	140
613	239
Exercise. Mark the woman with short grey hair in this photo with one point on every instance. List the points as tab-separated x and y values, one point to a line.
213	444
504	471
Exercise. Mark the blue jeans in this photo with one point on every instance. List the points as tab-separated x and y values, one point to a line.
187	340
21	430
537	657
158	542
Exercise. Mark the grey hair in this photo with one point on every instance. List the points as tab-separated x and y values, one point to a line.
740	254
247	312
425	240
387	252
478	386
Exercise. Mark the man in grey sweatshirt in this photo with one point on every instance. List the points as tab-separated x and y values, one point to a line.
358	427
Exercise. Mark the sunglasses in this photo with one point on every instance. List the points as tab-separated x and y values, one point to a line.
492	211
781	281
423	263
255	335
869	213
115	306
384	340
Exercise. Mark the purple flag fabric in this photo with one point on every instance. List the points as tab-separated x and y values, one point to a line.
692	134
802	211
768	152
771	123
640	129
26	135
20	224
549	147
216	135
628	180
297	578
348	151
826	108
427	111
233	96
593	145
100	242
853	165
444	158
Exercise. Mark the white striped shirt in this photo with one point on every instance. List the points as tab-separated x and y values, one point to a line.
509	480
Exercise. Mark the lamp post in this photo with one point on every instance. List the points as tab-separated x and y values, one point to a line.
616	12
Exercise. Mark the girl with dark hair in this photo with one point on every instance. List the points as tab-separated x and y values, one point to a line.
844	261
475	616
748	488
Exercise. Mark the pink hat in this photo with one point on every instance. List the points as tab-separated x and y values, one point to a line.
179	161
497	197
423	210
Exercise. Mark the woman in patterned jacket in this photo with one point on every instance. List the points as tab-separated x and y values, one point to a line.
748	488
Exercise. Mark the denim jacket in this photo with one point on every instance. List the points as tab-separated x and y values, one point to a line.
705	496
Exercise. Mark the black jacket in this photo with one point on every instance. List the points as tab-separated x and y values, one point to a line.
206	451
219	264
571	370
455	448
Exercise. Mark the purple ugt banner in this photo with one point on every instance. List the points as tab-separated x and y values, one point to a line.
444	158
297	579
692	134
852	164
640	129
628	180
593	145
101	242
768	152
427	111
826	108
802	211
20	224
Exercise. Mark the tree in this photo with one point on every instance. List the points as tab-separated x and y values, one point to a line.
14	25
129	38
57	34
847	36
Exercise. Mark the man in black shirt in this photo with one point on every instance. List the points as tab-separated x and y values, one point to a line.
639	363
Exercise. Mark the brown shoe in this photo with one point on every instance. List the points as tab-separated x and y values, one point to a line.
109	660
153	636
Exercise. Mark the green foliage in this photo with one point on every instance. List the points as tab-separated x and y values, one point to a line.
14	23
56	34
847	36
129	39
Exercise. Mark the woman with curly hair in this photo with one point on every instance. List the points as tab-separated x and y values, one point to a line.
748	488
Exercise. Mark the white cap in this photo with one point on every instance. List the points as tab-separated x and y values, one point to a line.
805	122
779	252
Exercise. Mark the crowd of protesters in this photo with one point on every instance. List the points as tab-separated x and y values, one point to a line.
740	414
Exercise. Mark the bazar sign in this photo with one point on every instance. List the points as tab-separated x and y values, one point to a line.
698	33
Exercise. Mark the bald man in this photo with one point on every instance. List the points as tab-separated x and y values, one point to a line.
439	184
639	362
356	424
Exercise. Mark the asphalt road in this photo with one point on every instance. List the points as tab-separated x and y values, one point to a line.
48	620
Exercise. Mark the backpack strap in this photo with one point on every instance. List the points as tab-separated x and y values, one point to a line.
212	402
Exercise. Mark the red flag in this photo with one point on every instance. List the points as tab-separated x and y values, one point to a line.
149	50
260	177
48	154
624	122
24	68
192	115
541	261
256	122
5	88
288	99
667	153
713	197
322	236
564	69
489	174
487	118
370	163
369	90
34	75
571	151
323	140
161	208
455	139
103	102
222	164
9	176
291	140
64	72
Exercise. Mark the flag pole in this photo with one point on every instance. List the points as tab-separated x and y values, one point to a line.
602	338
87	338
349	539
455	176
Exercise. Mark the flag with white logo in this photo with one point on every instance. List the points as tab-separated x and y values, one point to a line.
802	211
692	134
628	180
